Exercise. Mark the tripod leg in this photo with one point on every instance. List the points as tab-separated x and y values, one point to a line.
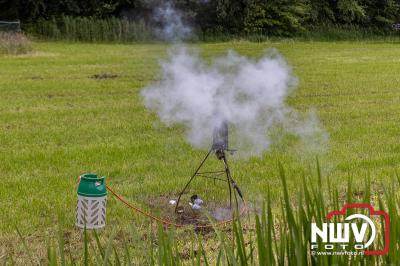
228	177
190	180
230	191
230	180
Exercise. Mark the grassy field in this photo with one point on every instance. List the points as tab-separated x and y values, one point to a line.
68	108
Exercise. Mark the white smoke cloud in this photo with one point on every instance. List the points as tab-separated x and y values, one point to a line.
247	93
172	28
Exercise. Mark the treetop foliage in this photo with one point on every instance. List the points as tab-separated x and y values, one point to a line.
269	17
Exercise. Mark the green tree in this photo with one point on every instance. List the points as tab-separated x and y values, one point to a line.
381	14
350	11
230	15
320	12
275	17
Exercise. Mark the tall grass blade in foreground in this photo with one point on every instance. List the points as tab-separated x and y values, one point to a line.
61	244
109	247
86	251
25	247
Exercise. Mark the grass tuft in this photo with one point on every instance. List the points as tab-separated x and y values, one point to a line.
14	43
89	29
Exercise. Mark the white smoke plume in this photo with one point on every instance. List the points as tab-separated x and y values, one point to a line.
249	94
172	28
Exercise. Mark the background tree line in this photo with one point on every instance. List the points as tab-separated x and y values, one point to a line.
266	17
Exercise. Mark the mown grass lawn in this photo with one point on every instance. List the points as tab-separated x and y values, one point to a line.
66	109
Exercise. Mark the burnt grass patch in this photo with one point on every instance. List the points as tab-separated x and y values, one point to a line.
103	76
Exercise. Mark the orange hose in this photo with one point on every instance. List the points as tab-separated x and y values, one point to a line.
169	223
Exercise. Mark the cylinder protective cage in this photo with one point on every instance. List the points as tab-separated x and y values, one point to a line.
92	200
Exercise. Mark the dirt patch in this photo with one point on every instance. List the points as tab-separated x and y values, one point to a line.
197	218
162	207
358	194
185	255
36	78
104	76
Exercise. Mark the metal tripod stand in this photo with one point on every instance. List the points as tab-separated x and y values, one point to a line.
219	151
